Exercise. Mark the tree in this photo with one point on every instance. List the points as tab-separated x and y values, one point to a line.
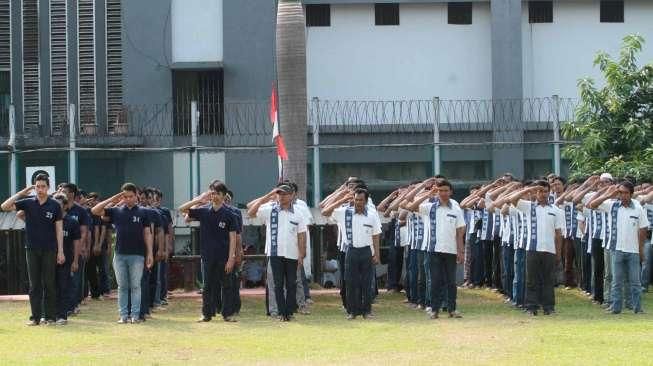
613	128
291	79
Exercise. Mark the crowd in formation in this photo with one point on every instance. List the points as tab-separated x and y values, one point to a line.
520	238
68	248
523	238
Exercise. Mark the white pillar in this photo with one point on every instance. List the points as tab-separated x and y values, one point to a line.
195	165
72	142
436	136
556	135
317	181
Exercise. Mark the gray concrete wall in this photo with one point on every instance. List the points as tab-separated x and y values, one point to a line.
151	169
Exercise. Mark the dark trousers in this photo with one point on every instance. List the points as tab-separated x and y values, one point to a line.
145	292
411	276
163	280
497	256
478	263
105	281
358	269
93	268
540	280
487	262
284	275
216	285
343	281
41	269
598	266
508	270
395	265
569	257
234	287
443	279
587	267
64	285
421	278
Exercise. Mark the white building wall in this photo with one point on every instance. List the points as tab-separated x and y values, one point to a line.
421	58
558	54
196	30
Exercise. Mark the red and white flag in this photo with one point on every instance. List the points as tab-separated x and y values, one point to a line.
282	154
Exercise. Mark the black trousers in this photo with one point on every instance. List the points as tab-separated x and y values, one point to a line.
343	282
497	255
284	273
599	269
358	271
443	279
216	285
93	268
478	263
41	269
488	251
395	265
64	289
540	280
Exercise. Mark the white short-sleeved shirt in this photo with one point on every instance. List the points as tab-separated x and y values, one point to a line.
548	220
448	219
404	239
521	231
290	224
363	226
628	222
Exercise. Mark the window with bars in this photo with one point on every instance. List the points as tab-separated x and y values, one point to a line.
58	66
386	14
86	55
540	11
31	87
459	13
206	88
612	11
114	67
5	35
318	15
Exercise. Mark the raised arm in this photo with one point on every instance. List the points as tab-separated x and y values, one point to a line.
253	206
414	205
10	203
98	210
328	210
607	193
199	200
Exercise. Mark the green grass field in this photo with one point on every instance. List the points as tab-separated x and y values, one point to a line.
491	333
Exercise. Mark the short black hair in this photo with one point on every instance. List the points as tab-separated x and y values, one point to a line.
474	186
43	178
362	191
218	186
93	195
71	187
444	183
542	183
631	179
129	187
628	184
61	198
439	176
561	179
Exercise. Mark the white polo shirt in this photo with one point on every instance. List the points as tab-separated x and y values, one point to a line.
363	226
448	218
625	236
540	236
289	224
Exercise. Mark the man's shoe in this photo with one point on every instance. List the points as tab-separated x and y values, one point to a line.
230	319
203	319
434	315
123	321
351	317
61	321
455	315
369	315
136	320
532	312
32	323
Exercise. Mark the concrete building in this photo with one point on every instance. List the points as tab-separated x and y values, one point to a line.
380	77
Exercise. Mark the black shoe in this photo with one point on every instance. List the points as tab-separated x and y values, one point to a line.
532	312
204	319
547	312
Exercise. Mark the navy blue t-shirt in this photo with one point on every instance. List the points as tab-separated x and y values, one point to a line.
167	218
71	232
239	218
40	222
129	224
80	214
215	226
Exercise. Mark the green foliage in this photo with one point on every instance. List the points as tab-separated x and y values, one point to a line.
613	128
